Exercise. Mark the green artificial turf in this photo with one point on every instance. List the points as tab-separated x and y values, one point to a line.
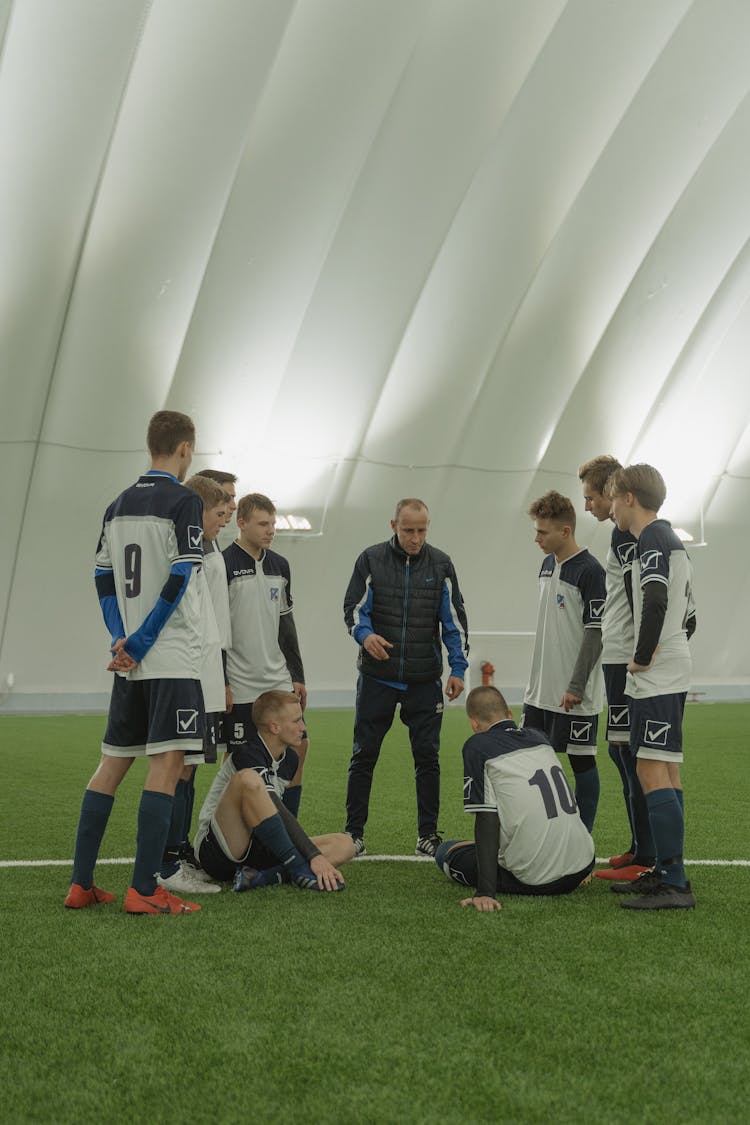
388	1002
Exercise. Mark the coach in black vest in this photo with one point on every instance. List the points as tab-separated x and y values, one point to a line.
402	596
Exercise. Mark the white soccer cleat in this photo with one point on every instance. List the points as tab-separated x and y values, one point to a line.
187	880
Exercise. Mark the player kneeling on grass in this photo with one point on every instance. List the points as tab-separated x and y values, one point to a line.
245	833
529	838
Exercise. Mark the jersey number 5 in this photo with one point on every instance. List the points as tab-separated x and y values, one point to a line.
132	570
564	794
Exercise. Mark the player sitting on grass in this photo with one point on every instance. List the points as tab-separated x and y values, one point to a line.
529	838
245	833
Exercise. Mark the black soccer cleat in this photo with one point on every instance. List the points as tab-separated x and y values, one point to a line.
662	896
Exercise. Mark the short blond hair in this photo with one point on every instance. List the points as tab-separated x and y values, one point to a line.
269	705
211	493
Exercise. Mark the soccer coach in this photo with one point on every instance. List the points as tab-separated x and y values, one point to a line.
402	596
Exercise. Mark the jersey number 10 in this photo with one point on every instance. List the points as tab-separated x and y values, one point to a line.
564	794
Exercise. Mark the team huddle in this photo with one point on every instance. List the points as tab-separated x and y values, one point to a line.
207	664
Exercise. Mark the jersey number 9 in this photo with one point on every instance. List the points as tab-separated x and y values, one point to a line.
132	570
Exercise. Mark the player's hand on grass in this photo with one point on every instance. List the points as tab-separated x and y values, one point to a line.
483	903
121	661
329	878
568	701
453	687
301	692
378	647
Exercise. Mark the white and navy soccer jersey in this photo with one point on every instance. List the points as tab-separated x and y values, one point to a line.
276	774
212	665
150	547
515	773
661	558
618	637
216	576
572	596
260	595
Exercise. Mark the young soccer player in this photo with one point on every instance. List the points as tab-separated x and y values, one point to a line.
149	551
529	838
265	653
245	832
564	694
658	680
177	873
617	649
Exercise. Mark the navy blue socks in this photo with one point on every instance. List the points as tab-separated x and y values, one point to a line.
587	795
274	836
154	817
668	828
95	810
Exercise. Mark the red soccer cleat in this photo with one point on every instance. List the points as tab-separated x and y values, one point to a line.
622	874
78	897
160	902
621	860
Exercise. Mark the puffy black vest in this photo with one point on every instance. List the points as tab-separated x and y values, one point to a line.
406	593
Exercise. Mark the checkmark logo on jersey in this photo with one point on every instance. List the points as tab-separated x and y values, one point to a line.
187	721
626	552
467	788
195	536
619	717
579	732
656	733
596	608
650	560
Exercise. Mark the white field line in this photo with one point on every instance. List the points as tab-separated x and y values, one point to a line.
362	859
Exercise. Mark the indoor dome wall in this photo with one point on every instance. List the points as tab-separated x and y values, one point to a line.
375	249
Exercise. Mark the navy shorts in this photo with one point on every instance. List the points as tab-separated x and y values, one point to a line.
618	704
568	734
208	755
153	717
214	860
656	727
459	862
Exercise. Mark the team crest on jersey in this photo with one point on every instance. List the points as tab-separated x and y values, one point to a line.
438	708
626	553
561	601
195	536
650	560
656	732
580	732
274	593
187	720
596	608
